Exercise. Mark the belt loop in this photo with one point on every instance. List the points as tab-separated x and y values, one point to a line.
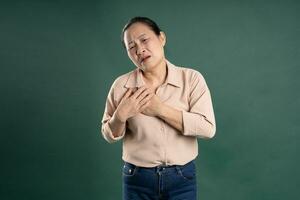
178	169
156	169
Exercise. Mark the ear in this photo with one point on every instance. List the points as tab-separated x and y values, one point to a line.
163	38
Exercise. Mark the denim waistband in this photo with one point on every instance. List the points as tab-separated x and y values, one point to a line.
160	167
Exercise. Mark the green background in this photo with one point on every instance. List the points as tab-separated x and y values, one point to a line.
58	60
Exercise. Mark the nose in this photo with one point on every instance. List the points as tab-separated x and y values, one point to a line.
140	49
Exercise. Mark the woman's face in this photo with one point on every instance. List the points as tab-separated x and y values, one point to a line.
144	47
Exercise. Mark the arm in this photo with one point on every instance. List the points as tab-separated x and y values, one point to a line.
198	121
172	116
116	125
115	117
113	129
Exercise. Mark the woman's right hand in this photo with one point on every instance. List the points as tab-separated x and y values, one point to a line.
133	103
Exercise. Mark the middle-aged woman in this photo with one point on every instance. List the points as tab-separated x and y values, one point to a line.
159	110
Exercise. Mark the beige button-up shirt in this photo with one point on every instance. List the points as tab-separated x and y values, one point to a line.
150	141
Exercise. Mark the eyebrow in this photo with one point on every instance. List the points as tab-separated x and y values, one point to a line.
137	37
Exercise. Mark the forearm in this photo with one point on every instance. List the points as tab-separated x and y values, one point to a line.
172	116
195	124
116	125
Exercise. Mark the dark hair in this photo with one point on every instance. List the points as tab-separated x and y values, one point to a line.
145	20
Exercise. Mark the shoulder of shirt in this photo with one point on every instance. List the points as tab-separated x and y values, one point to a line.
121	80
189	72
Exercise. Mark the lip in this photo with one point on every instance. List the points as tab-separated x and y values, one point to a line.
145	58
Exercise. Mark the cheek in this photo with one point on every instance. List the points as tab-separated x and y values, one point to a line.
130	55
157	49
133	57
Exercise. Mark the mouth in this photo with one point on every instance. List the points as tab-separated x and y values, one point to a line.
145	59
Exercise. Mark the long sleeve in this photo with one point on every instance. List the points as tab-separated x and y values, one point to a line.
110	108
199	121
149	141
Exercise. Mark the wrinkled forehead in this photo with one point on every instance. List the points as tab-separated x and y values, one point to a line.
136	31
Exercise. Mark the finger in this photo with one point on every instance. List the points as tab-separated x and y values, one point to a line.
143	94
138	92
145	100
135	89
143	107
127	93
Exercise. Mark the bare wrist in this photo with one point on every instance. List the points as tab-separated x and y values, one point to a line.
119	116
161	110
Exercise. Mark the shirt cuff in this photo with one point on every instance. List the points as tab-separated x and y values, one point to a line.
195	125
108	135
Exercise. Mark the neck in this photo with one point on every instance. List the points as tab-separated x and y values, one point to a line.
157	75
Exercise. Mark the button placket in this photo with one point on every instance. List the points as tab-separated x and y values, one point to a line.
162	128
165	136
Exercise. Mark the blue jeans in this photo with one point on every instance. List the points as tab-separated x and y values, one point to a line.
176	182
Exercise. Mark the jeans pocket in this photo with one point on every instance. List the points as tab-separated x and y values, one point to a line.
188	171
129	169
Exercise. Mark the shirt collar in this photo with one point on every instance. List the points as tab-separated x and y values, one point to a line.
135	78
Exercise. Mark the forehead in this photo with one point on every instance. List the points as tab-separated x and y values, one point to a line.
136	30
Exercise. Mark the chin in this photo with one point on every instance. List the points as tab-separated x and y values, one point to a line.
143	68
146	67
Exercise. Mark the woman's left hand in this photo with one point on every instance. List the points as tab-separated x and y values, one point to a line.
154	106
